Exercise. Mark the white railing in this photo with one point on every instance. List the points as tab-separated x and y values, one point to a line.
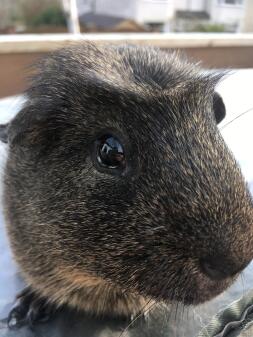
47	42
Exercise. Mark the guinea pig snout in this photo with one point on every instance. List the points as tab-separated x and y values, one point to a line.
218	267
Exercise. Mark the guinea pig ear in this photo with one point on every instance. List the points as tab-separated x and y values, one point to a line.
26	127
218	108
4	133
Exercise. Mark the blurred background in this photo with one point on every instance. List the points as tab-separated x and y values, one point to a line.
54	16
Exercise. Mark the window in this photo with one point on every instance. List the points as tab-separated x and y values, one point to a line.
231	2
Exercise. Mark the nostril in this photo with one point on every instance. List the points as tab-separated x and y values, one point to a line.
213	270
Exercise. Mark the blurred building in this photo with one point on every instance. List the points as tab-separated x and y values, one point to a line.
227	12
146	14
168	15
218	15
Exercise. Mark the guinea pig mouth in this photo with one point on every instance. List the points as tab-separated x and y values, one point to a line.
200	280
203	291
193	289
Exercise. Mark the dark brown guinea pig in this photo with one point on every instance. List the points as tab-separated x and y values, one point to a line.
119	189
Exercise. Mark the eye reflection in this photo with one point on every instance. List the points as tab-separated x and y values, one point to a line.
110	153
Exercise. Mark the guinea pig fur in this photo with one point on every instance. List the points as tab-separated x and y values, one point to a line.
118	189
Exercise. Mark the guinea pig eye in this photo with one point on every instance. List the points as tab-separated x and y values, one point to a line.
218	108
110	152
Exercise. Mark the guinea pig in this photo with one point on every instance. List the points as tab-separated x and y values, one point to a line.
119	190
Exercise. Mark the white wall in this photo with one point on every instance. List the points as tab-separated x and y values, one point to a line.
83	6
118	8
192	5
154	11
197	5
226	14
181	4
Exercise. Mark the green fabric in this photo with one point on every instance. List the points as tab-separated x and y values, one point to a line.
235	321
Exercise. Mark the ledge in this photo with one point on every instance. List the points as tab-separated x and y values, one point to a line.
47	42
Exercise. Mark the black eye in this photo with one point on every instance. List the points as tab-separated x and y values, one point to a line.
110	153
218	108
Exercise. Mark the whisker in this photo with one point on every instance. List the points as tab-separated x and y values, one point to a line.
142	312
232	120
243	283
201	321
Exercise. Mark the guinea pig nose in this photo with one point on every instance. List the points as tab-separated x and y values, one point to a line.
218	268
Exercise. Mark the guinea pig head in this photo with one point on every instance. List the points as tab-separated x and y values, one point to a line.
117	172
